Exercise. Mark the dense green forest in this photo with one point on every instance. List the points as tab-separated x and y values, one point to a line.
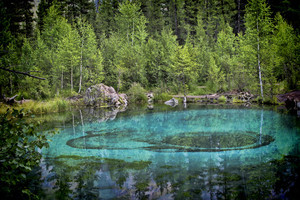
176	46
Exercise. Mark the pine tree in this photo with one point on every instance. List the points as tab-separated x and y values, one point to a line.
90	56
202	49
154	14
286	45
225	53
184	67
105	18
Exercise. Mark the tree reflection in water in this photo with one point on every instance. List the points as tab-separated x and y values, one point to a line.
221	175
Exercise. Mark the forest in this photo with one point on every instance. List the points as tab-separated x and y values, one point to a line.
54	49
177	46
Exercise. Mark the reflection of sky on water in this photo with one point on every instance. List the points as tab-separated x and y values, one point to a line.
176	170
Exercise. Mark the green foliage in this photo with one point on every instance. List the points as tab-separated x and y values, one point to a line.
19	142
286	45
40	107
222	99
137	93
175	45
161	97
200	90
237	100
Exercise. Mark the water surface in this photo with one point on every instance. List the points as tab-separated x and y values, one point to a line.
198	152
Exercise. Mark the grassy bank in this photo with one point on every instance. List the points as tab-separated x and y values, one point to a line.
39	107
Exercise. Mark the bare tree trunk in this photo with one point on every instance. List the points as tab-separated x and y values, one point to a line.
258	62
183	81
80	79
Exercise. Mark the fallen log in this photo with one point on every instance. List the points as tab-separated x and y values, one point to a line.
10	100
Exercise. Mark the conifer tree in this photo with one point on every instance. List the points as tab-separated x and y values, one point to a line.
286	46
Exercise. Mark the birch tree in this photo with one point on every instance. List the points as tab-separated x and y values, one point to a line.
258	30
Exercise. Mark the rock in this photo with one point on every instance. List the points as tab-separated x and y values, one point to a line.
150	97
102	95
150	107
172	102
291	99
245	96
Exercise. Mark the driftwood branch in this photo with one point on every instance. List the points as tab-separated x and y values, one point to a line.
24	73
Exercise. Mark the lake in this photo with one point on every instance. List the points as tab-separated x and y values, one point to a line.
192	152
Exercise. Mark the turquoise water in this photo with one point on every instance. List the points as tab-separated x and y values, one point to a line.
202	152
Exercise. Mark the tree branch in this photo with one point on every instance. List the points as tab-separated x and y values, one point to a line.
26	74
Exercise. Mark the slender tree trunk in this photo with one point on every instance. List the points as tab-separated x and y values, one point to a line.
128	34
80	79
258	62
183	81
132	34
71	78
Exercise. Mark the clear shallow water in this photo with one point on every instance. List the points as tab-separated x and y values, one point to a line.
202	152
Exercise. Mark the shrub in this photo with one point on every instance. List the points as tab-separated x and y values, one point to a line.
270	100
137	93
236	100
18	142
222	99
200	91
161	97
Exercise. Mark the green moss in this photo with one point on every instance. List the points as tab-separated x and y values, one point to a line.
136	165
75	157
167	166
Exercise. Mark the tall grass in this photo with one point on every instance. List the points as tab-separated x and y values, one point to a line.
40	107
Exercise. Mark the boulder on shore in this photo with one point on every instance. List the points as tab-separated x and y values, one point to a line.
103	95
172	102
